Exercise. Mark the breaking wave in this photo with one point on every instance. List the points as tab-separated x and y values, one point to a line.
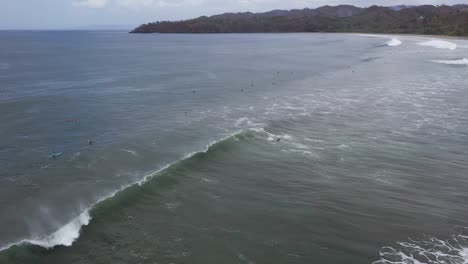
70	232
440	44
393	42
65	236
428	250
463	61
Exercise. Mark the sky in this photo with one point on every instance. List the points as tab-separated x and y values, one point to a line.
83	14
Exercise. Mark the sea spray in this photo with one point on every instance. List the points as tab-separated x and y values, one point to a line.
393	42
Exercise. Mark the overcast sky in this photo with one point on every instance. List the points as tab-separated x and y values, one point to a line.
69	14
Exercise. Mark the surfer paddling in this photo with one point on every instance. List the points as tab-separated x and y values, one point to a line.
55	154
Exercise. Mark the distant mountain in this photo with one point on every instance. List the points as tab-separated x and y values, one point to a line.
425	19
399	7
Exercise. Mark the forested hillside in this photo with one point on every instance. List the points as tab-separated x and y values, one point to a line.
425	19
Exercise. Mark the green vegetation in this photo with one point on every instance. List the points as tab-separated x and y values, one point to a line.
426	19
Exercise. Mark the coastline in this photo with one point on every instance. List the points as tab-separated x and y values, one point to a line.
411	35
305	32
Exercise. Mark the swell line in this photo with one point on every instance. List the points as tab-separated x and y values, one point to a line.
70	232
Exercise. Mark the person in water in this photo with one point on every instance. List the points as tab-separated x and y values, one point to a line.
90	142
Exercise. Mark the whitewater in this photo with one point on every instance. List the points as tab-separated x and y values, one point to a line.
463	61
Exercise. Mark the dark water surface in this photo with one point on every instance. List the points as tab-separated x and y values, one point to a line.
256	148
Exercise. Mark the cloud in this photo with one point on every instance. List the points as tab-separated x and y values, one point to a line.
135	3
236	5
138	4
91	3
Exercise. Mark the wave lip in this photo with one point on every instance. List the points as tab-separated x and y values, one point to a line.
393	42
65	236
440	44
462	61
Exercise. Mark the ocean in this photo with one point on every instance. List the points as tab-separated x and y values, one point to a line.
232	148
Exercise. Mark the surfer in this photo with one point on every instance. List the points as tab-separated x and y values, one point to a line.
55	154
279	139
90	142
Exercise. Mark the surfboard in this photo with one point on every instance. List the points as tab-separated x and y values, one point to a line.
55	155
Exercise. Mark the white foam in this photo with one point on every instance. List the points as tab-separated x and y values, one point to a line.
370	35
426	251
151	175
208	180
313	140
65	236
172	206
270	136
463	61
304	152
133	152
240	121
393	42
440	44
300	146
247	122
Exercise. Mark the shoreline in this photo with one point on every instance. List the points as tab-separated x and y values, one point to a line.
347	33
412	35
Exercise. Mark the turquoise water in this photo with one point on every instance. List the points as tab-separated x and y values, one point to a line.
256	148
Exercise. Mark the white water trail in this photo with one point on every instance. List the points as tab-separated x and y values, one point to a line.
440	44
463	61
